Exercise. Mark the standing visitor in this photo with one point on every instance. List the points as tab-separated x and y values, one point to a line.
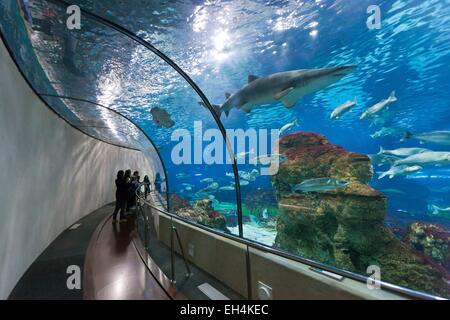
121	197
147	185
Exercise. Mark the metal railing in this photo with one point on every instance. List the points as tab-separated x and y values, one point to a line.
173	233
317	266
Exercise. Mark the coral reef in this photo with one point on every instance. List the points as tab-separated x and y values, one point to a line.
201	212
177	202
343	227
431	239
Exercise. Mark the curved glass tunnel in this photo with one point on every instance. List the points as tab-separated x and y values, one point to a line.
99	79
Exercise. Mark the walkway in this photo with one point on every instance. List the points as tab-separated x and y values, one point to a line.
109	257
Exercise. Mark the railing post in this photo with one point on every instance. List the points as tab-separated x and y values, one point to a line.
188	274
146	228
172	254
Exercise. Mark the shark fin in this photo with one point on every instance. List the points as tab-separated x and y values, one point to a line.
227	95
355	101
227	112
280	95
217	109
252	77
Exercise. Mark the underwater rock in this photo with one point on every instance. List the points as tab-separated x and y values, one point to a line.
177	202
431	239
257	200
343	227
203	212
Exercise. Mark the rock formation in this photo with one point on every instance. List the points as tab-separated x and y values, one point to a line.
342	227
431	239
201	212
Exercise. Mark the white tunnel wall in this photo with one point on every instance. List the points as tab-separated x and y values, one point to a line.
51	174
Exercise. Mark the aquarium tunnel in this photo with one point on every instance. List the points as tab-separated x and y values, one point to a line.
293	149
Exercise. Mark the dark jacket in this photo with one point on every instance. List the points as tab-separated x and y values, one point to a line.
122	189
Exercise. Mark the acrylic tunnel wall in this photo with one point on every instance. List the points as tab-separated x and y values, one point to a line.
395	220
52	174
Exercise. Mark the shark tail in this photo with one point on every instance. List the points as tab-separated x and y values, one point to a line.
381	150
392	97
217	109
355	101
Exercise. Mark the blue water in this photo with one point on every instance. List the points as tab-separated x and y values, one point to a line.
219	43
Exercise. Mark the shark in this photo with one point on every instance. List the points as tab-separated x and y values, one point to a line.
287	87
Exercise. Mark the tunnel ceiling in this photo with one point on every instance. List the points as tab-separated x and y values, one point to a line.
217	43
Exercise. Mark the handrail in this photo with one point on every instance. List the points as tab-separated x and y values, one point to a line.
252	244
173	232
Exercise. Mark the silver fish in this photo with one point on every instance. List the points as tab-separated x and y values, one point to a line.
243	155
343	108
379	106
381	159
431	158
435	210
249	176
402	152
383	132
243	183
287	126
213	187
227	188
207	180
436	137
319	184
268	159
402	170
393	191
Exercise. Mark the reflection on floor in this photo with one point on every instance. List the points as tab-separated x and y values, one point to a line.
114	269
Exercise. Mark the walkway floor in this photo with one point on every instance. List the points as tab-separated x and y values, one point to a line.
114	269
111	265
46	278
